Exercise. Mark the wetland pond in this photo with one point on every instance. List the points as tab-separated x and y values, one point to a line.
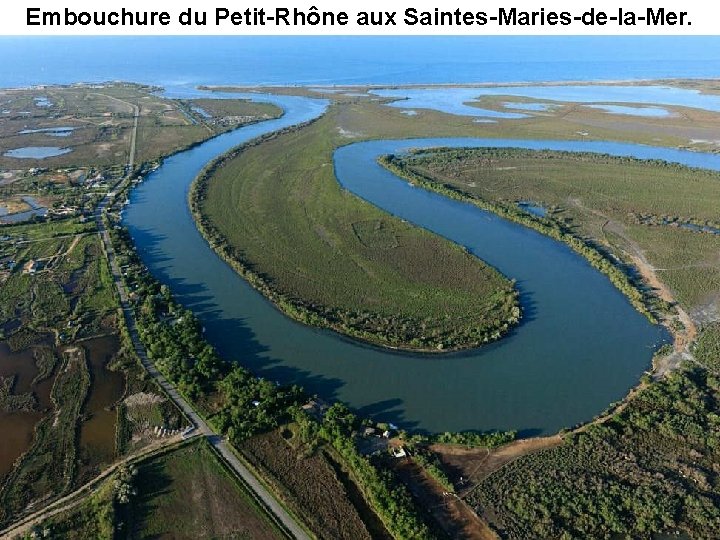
19	425
36	152
97	432
580	345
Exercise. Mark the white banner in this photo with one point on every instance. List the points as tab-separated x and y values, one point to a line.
392	17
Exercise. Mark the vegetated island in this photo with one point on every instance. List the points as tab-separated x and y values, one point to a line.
328	259
615	211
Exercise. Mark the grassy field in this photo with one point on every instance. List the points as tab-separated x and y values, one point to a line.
363	272
625	204
219	108
95	517
181	493
310	485
277	206
189	494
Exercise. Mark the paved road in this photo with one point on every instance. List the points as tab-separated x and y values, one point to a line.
222	446
133	139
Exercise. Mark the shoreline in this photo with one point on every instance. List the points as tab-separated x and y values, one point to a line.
485	84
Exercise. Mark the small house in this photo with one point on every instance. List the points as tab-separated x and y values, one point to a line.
398	452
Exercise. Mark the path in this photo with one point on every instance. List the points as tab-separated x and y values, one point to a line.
71	500
133	135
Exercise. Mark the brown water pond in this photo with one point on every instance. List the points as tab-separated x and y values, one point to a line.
17	427
97	433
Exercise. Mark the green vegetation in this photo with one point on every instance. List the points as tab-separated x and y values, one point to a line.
432	465
388	498
327	258
93	518
181	492
651	468
240	405
551	228
707	348
71	282
625	205
227	114
45	362
10	402
473	439
188	493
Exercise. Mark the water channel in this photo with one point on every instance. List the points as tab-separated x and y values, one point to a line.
580	346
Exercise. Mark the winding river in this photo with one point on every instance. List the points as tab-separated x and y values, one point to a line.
580	345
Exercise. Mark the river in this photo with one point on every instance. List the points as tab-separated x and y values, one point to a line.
580	346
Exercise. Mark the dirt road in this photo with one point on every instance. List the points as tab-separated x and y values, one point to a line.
71	500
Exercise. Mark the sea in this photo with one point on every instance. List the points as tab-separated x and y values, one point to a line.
344	60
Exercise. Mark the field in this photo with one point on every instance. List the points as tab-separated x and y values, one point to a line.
651	468
231	113
454	518
180	492
95	517
189	494
328	259
311	486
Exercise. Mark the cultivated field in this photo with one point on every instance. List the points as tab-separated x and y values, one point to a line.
309	484
189	494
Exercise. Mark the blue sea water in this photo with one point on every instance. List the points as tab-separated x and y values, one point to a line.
350	60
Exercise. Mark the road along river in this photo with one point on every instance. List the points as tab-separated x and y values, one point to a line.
579	347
